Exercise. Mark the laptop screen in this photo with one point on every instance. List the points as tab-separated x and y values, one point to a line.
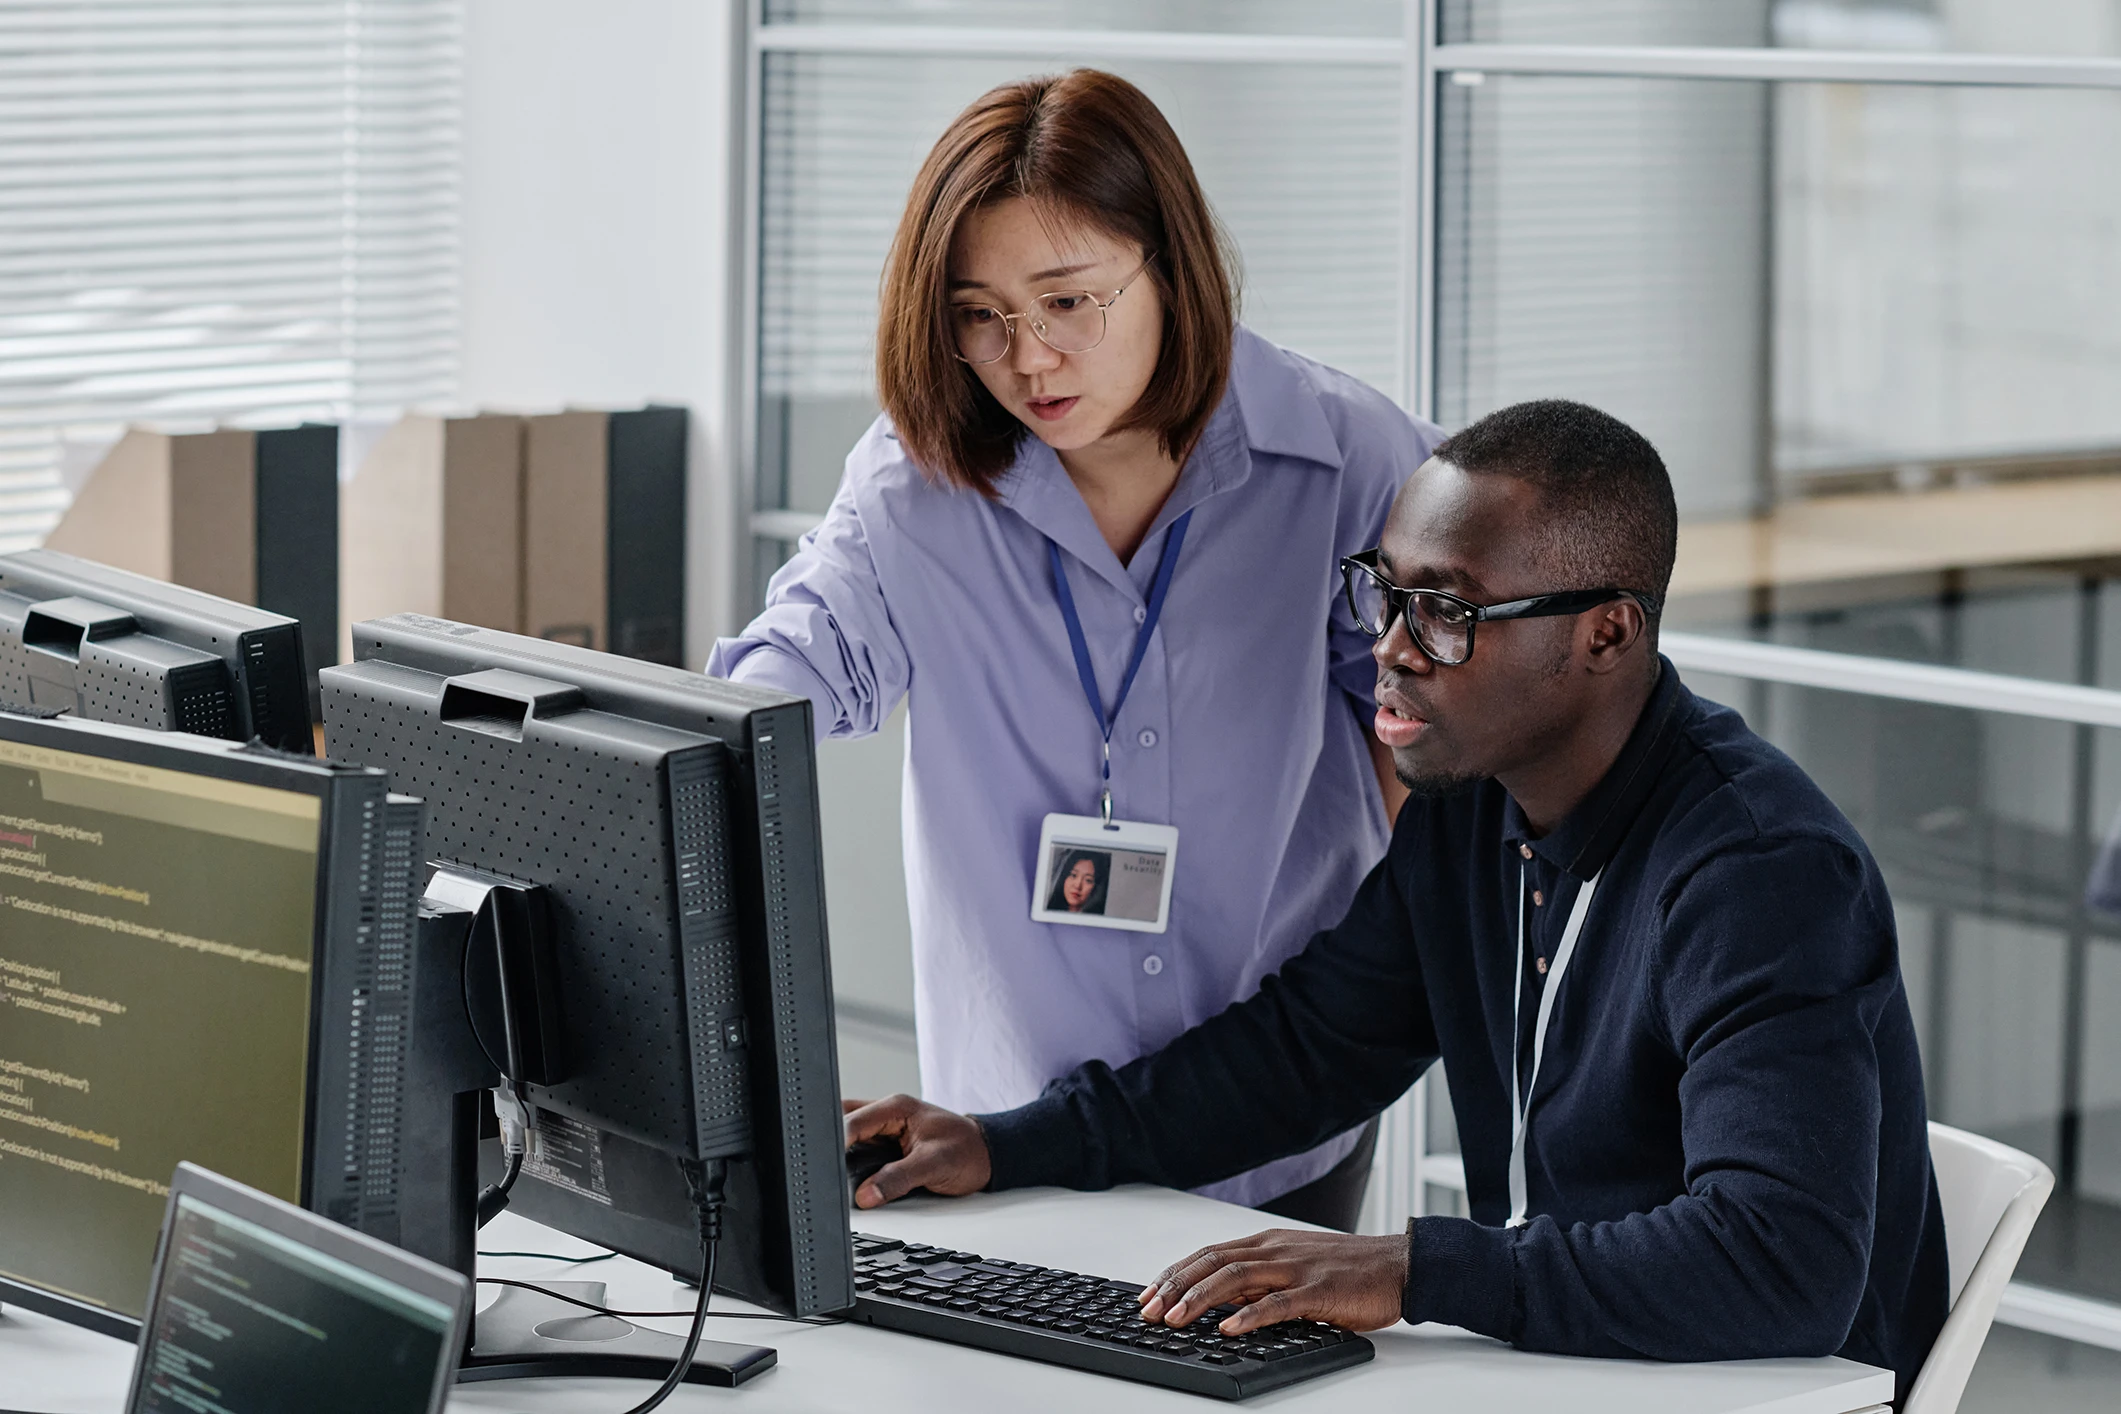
247	1321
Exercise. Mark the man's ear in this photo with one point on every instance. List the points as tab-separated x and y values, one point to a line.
1612	633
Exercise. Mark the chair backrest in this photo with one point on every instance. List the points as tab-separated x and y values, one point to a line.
1991	1195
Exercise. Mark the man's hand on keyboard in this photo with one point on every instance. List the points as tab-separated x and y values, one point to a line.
1354	1282
944	1151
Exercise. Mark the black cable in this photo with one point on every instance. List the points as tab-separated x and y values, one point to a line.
641	1315
704	1181
495	1197
556	1257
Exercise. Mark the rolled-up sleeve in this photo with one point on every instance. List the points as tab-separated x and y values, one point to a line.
826	632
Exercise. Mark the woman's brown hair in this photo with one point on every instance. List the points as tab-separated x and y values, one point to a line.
1089	147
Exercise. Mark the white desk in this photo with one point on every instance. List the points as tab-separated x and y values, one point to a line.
1130	1234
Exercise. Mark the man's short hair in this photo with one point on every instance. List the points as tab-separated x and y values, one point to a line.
1610	514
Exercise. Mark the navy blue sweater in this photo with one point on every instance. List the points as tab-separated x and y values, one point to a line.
1728	1154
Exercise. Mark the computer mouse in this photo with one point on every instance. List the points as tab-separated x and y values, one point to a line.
866	1156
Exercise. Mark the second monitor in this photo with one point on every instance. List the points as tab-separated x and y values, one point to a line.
107	645
640	848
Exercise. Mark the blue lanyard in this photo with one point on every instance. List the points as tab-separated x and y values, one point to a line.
1173	542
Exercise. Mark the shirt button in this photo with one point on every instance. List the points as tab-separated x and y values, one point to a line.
1147	737
1541	964
1152	964
1525	850
1141	615
1539	900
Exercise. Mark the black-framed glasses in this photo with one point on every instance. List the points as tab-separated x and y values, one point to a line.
1442	624
1066	321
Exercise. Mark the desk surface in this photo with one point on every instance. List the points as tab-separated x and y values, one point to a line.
1129	1234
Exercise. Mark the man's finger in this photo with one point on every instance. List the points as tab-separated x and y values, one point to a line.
886	1116
1236	1281
848	1107
1187	1270
893	1181
1181	1276
1285	1304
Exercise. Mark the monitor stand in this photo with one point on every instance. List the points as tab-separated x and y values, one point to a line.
528	1335
523	1334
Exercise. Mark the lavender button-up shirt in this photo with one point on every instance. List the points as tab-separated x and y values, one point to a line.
1243	729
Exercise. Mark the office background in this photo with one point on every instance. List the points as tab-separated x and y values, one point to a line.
1854	266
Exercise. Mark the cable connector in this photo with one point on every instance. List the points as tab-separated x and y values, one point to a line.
705	1181
518	1117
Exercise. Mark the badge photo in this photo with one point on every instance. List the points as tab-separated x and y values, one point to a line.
1098	875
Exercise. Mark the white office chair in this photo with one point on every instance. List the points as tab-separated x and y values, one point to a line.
1991	1195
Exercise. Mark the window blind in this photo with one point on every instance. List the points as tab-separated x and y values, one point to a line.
242	212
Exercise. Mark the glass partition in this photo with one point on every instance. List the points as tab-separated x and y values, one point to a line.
1791	288
2072	28
1301	161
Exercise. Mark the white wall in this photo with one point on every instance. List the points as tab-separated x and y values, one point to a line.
599	175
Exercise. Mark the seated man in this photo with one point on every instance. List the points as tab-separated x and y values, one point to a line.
1607	897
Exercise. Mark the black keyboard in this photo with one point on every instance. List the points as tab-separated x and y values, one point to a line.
1066	1318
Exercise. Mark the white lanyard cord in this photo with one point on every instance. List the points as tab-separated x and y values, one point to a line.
1520	1097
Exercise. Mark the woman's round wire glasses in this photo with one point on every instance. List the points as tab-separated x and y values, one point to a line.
1066	321
1442	624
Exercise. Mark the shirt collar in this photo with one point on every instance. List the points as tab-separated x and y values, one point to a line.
1266	408
1282	414
1588	836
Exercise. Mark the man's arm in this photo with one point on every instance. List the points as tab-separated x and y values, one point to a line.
1327	1042
1771	982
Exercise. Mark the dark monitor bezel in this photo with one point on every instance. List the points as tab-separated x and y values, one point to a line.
220	760
378	1259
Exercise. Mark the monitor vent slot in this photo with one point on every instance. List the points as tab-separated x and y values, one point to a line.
256	688
707	930
375	1036
801	1194
200	701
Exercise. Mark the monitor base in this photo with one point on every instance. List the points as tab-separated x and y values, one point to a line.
528	1335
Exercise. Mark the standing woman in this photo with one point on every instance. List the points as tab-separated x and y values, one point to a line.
1094	541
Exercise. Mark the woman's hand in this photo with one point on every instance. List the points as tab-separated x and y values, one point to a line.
943	1152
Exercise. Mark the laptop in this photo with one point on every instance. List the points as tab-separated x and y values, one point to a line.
257	1307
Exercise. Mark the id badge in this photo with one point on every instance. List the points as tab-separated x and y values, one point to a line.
1096	875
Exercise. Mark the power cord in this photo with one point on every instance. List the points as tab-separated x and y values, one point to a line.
640	1315
705	1181
556	1257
